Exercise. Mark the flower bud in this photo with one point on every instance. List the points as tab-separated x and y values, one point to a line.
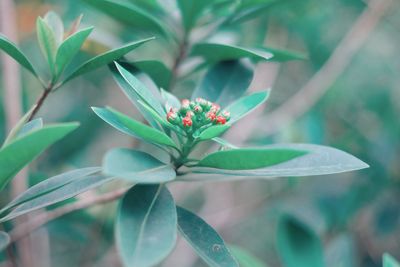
197	109
173	117
220	120
215	108
187	122
189	114
226	115
210	116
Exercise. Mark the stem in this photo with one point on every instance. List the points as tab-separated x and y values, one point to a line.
40	101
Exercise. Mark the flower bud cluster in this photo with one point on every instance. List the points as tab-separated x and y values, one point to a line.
193	115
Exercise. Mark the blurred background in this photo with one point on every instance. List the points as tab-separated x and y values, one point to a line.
346	94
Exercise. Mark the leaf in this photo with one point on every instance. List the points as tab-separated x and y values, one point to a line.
249	9
283	55
4	240
389	261
146	225
156	70
23	150
132	95
249	158
47	43
136	166
145	95
205	240
298	245
214	52
30	126
134	128
105	58
223	142
225	82
170	100
320	160
56	25
50	185
244	258
13	51
69	48
246	104
67	191
191	10
130	15
17	128
212	132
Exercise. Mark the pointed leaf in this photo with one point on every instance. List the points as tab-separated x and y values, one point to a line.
170	101
69	48
105	58
244	258
31	126
50	185
130	15
389	261
13	51
4	240
225	82
146	226
213	131
214	52
249	158
56	25
156	70
134	128
246	104
137	166
23	150
205	240
283	55
17	128
47	42
320	160
191	10
224	143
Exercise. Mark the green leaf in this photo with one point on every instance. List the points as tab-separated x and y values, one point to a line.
389	261
134	128
130	15
249	9
191	10
47	43
56	25
244	258
50	185
246	104
205	240
31	126
170	100
17	128
105	58
69	48
132	95
23	150
146	226
283	55
249	158
4	240
225	82
13	51
214	52
224	143
64	192
137	166
320	160
212	132
298	245
145	95
156	70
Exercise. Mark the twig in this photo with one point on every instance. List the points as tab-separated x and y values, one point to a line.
41	219
316	87
40	101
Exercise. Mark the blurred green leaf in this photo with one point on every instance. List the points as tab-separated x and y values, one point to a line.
212	132
156	70
13	51
146	225
389	261
56	25
205	240
169	100
131	15
244	258
47	43
69	48
136	166
283	55
214	52
319	160
134	128
50	185
105	58
30	126
144	93
249	158
17	128
4	240
246	104
223	142
225	82
298	245
191	10
249	9
23	150
64	192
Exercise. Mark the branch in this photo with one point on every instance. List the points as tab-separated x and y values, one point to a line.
41	219
316	87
